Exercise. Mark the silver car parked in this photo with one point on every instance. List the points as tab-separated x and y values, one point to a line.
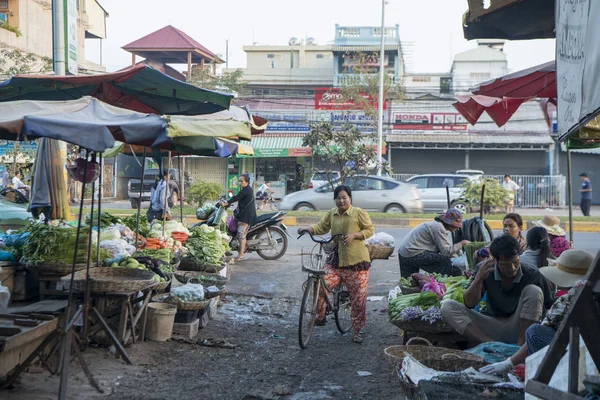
371	193
432	190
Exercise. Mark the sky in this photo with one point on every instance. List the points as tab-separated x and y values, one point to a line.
430	29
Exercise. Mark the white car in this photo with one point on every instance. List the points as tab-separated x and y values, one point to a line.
371	193
320	178
432	190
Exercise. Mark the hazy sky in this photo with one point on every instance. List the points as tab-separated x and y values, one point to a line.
431	28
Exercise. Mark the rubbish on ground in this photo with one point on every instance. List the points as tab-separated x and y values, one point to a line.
364	373
216	343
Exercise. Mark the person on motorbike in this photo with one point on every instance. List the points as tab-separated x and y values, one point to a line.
245	212
263	194
19	185
350	261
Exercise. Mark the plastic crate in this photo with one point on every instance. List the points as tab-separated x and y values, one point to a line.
186	316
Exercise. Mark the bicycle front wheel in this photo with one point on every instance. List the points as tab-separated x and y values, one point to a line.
343	318
308	311
274	205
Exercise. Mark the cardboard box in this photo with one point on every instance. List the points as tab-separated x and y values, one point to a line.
186	331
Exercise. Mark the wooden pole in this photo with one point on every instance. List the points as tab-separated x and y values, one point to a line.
166	194
181	185
139	205
189	65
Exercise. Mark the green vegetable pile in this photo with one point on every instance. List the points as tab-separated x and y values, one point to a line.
457	290
106	219
205	245
423	300
131	220
159	254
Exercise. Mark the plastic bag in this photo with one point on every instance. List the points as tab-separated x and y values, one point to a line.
15	239
190	293
381	239
110	234
231	225
4	298
461	262
125	231
116	248
204	212
7	256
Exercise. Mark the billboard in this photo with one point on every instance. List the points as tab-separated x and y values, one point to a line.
333	99
427	121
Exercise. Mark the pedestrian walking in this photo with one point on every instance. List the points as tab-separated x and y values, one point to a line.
512	187
586	194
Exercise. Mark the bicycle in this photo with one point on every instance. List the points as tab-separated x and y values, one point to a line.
269	199
315	286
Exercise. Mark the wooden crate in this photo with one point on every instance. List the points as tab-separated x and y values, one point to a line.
186	331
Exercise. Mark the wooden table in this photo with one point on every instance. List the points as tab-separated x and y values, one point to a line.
131	321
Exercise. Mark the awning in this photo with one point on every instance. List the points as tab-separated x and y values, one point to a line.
279	146
509	19
466	141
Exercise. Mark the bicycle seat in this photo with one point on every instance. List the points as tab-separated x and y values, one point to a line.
313	271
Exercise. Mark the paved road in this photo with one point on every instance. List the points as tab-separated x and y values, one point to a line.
283	278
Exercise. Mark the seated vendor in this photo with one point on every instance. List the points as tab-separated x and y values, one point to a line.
516	297
566	272
429	247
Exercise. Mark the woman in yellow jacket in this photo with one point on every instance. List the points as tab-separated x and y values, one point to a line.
350	262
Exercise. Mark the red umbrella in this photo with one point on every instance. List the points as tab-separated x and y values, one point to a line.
502	97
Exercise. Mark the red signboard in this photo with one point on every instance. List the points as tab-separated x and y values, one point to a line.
300	152
332	99
426	121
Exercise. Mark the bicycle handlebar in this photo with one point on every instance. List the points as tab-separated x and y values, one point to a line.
322	241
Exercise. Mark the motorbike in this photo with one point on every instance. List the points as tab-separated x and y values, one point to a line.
267	236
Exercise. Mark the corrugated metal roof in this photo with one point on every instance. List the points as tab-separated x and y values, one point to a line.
366	48
581	151
276	142
454	138
168	37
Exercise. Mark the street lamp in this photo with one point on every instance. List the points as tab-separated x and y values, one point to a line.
380	99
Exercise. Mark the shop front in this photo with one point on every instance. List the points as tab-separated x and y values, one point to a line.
281	160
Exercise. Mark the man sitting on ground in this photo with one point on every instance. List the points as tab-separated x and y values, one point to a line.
516	296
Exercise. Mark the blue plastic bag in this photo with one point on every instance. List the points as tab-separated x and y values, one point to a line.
7	256
493	352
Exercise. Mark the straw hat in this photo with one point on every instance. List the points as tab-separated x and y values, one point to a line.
570	267
551	224
451	217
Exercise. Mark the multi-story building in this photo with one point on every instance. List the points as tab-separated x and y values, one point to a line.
26	25
289	85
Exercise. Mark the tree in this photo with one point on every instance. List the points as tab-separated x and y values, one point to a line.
494	193
15	62
227	82
19	154
201	192
348	147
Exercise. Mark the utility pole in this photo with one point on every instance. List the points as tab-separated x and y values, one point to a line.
226	53
380	99
58	37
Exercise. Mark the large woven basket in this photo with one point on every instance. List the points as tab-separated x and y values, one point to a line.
204	278
59	268
161	286
196	305
424	326
379	252
188	264
104	280
438	358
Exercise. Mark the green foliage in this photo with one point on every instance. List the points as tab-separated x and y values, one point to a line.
201	192
227	82
15	62
13	29
494	192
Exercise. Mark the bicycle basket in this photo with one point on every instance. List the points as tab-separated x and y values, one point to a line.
311	260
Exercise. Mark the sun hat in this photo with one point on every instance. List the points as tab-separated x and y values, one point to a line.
570	267
551	224
451	217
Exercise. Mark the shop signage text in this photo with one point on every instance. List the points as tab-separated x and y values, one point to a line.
429	121
332	99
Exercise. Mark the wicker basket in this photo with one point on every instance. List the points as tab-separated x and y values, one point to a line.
379	252
205	278
187	264
161	286
104	280
424	326
196	305
438	358
210	295
60	268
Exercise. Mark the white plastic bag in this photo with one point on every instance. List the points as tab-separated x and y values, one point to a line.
4	298
190	293
381	239
461	262
115	247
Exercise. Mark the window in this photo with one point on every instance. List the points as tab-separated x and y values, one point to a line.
390	185
421	183
3	17
321	56
421	79
437	182
445	85
369	184
3	4
273	56
480	75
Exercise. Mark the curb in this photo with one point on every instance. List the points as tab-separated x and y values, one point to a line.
409	223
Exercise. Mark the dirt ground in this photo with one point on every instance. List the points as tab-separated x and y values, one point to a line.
266	363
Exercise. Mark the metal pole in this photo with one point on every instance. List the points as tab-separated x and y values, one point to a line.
181	185
139	208
380	98
88	258
58	37
570	196
166	195
66	339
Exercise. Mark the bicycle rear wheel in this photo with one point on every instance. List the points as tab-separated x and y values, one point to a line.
341	303
308	311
